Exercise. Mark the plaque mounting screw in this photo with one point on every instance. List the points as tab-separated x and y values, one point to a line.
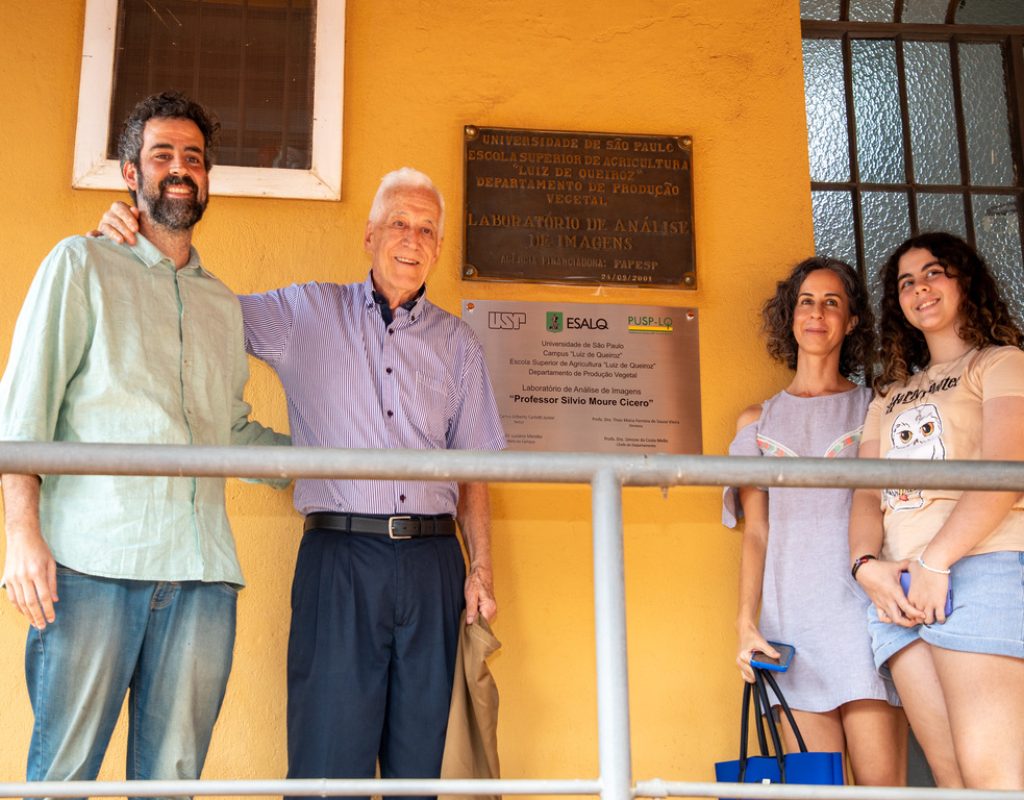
689	280
469	271
470	132
686	141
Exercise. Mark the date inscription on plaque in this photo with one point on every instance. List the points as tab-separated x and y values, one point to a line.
577	207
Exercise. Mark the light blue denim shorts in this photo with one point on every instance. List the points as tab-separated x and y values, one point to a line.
988	612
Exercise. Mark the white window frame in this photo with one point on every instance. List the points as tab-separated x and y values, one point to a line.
93	170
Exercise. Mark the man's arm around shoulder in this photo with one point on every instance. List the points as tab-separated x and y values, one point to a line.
30	573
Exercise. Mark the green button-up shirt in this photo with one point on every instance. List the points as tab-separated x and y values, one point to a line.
113	344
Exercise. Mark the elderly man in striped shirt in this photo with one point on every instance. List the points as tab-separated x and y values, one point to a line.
380	580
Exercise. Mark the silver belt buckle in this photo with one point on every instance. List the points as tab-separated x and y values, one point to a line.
391	528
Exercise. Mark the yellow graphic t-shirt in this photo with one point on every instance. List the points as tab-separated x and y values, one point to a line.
937	415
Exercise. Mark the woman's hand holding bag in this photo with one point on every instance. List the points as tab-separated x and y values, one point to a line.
823	769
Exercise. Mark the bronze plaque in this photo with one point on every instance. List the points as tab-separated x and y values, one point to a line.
577	207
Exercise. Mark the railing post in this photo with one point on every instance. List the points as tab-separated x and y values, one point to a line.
610	634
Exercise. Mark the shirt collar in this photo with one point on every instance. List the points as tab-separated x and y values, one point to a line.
150	255
375	298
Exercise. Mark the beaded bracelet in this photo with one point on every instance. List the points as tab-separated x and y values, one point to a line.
860	562
922	565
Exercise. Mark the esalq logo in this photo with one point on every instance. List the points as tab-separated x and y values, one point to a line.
556	320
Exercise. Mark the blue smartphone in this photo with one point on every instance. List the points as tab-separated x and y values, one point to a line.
905	583
780	664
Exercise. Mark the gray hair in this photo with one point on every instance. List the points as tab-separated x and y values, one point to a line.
405	178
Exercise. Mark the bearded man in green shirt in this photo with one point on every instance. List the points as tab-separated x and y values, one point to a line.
136	344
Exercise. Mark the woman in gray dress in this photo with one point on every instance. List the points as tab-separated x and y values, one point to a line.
795	583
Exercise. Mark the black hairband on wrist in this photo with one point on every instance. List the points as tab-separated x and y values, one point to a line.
860	562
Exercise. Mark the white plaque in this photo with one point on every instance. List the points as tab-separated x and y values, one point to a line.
583	377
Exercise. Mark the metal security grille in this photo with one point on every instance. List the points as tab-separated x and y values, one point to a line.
249	61
915	115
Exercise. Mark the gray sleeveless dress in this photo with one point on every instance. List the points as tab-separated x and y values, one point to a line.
808	598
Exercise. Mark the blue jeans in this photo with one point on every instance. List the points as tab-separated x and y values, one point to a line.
168	645
988	612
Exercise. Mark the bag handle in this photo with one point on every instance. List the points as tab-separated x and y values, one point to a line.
762	693
750	695
768	678
762	742
744	731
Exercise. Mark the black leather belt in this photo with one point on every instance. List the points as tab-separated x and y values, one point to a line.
400	526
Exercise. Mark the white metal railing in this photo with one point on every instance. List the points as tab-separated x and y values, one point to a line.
606	474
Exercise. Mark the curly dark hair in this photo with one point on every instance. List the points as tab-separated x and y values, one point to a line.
171	105
986	318
856	355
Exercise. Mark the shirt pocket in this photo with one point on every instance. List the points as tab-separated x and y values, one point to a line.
428	408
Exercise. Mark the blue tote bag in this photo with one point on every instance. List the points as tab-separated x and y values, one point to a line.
823	769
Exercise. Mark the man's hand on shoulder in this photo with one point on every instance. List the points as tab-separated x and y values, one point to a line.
119	223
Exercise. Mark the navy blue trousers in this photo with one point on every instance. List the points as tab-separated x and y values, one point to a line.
371	654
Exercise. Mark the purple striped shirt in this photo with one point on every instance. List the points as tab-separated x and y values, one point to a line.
351	381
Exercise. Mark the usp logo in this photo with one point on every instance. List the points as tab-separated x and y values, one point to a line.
555	321
505	320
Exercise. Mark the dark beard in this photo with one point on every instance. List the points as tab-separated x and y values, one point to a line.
173	213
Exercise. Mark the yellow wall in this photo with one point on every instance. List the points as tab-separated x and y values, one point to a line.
726	73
